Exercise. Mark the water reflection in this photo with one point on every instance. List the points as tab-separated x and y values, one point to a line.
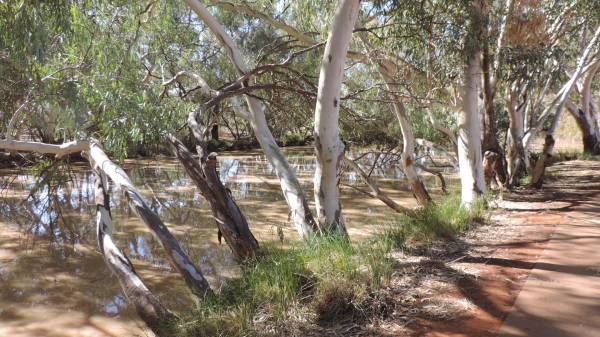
51	234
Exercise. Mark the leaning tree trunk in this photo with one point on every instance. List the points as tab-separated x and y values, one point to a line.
408	145
148	307
175	254
329	149
540	167
231	222
376	192
291	187
408	151
469	127
593	111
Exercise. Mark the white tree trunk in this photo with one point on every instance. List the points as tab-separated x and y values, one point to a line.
148	307
516	155
57	150
587	105
174	253
408	140
291	187
329	148
469	124
469	137
408	155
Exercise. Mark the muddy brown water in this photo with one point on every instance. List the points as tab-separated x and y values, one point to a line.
53	281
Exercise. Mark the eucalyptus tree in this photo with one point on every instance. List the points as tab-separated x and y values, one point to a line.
35	67
586	114
584	63
292	190
386	68
329	149
469	136
538	49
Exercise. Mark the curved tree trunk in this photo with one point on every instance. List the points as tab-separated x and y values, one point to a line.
148	307
408	156
586	115
444	130
175	254
408	140
329	149
469	126
588	135
291	187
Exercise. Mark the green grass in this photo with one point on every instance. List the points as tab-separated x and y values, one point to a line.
560	156
326	278
445	219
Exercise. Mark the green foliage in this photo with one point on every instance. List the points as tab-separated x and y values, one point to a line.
293	138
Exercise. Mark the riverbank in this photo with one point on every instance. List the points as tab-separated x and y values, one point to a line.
327	286
492	279
53	235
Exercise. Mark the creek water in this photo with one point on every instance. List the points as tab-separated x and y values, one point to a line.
54	282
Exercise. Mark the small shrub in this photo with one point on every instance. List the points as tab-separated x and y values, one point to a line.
292	138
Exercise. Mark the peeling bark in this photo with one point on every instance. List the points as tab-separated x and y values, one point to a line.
147	306
175	254
231	222
329	149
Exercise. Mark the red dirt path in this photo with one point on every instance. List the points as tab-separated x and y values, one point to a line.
517	271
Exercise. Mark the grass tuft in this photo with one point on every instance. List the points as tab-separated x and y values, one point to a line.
560	156
328	276
444	219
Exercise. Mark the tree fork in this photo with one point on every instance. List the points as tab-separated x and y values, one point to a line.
230	221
